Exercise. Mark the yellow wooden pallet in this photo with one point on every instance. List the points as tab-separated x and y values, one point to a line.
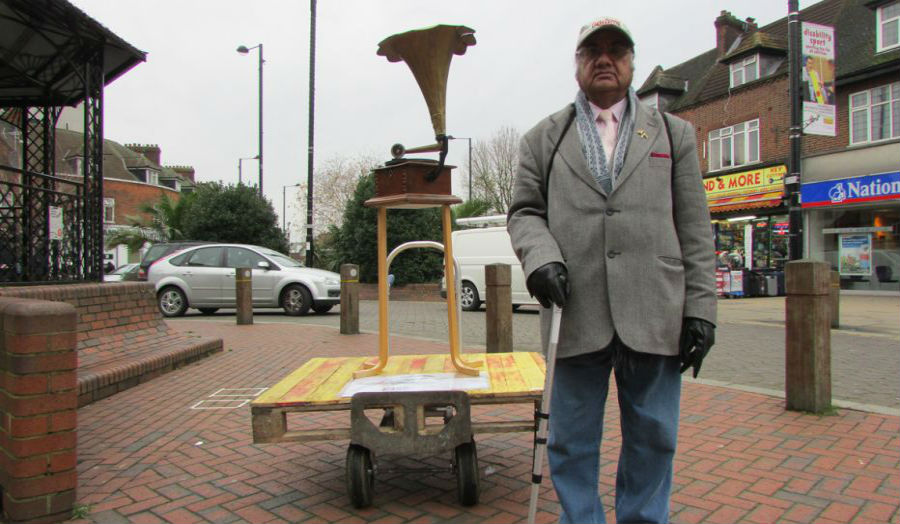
316	386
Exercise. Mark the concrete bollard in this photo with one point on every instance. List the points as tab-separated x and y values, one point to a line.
243	284
835	300
349	299
808	336
498	280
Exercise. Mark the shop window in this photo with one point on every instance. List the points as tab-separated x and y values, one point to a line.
109	210
744	71
875	114
887	26
734	146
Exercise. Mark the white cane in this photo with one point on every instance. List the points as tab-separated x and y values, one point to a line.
543	415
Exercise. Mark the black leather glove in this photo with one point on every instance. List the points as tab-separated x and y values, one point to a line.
549	284
697	336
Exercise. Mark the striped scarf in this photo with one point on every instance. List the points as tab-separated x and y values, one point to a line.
592	146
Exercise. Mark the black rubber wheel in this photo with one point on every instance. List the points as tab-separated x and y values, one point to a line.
208	310
360	476
171	301
467	481
322	308
468	297
296	300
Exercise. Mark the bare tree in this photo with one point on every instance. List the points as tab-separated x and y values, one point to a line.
334	184
494	165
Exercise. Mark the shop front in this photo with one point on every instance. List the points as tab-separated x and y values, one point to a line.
853	226
750	225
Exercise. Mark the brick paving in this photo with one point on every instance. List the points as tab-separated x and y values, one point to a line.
146	456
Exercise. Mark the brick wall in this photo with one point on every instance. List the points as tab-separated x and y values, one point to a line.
38	417
105	311
130	195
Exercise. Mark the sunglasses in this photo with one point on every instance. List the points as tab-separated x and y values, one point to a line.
616	51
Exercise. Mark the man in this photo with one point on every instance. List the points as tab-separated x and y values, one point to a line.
609	230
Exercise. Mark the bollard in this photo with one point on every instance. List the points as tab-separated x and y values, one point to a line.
835	300
243	283
497	280
808	336
349	299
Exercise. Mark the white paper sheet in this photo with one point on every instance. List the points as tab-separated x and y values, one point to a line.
418	382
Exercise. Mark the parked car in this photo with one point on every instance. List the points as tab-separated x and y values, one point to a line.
161	249
203	277
126	272
474	249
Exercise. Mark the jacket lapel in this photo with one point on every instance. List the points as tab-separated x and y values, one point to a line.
571	153
639	148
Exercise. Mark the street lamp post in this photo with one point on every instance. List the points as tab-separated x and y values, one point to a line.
470	160
240	176
244	50
284	205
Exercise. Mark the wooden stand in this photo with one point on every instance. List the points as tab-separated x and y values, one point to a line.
415	201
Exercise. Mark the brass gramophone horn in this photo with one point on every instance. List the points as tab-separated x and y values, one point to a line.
428	52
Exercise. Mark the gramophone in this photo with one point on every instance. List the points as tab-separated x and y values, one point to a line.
427	52
420	183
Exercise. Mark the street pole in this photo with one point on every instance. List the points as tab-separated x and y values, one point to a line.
470	168
240	178
792	182
312	114
261	120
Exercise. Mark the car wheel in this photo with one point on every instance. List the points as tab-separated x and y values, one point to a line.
171	301
296	300
468	297
322	308
208	310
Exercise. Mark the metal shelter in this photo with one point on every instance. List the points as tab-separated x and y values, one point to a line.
52	55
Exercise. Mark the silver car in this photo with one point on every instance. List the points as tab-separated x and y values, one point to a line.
203	277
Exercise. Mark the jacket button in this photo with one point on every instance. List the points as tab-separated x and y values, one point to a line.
610	212
612	254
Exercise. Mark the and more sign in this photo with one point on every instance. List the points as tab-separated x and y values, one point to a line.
766	184
855	190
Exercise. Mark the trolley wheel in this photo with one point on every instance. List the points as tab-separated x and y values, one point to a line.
360	476
467	482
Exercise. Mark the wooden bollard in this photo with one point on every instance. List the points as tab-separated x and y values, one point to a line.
498	280
835	300
807	382
349	299
243	288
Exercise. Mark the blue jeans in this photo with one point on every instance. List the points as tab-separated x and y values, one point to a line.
649	390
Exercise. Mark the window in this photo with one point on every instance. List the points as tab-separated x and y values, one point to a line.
239	257
734	146
744	71
875	114
152	177
888	26
207	257
109	210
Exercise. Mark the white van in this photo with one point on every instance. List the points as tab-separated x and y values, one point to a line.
474	249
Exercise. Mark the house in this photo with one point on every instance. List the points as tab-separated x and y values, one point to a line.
737	97
132	175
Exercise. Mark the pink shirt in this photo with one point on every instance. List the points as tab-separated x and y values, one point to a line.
609	137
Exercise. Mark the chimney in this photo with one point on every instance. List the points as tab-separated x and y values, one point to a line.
151	151
728	29
185	171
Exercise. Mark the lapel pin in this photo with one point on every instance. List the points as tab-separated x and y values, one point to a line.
641	133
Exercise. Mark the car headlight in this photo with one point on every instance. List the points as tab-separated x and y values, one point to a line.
332	282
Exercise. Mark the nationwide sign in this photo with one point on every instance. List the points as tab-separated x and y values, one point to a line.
869	188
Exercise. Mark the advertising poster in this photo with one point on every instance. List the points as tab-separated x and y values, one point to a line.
56	223
855	253
817	64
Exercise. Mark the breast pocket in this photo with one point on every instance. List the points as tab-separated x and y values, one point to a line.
655	161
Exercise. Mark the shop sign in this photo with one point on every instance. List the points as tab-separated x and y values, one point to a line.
855	258
758	181
869	188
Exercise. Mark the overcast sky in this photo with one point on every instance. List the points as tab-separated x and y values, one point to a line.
196	97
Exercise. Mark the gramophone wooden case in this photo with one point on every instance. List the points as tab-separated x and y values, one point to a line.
411	176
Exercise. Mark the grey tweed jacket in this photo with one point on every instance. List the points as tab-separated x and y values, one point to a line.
640	258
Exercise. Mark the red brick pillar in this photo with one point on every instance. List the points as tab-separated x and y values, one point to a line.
38	401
